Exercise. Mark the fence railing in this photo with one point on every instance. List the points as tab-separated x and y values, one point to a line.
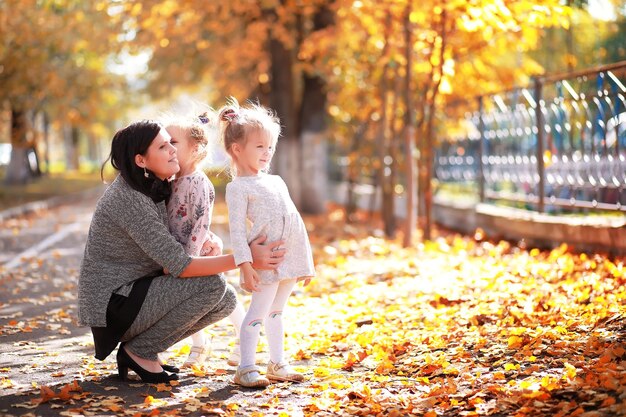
558	145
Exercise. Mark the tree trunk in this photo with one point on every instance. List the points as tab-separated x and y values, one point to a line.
409	136
420	109
93	151
33	154
19	170
386	189
569	41
46	140
71	136
391	223
351	201
373	197
314	173
384	175
287	158
428	174
353	169
34	162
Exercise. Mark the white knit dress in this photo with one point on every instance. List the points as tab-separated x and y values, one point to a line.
264	200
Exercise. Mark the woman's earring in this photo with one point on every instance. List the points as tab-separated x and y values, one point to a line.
145	173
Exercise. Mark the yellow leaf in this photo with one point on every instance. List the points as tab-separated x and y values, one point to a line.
515	342
198	371
561	329
510	367
136	10
417	16
570	371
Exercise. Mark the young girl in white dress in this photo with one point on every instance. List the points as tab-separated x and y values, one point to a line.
250	134
189	212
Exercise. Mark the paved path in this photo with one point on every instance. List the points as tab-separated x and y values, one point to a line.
40	343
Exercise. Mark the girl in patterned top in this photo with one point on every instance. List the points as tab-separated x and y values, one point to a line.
189	212
250	134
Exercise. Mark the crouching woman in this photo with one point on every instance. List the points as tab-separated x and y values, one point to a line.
137	285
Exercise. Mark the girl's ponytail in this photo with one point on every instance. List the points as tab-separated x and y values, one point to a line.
229	114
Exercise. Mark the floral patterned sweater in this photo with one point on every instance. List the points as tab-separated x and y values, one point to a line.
189	210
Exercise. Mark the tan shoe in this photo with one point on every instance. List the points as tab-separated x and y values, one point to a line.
283	372
197	356
250	377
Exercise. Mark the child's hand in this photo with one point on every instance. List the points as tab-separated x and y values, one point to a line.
306	280
248	278
212	246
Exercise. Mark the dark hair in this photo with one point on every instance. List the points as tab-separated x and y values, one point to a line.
127	142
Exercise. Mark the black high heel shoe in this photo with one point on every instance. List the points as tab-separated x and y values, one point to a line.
170	368
124	361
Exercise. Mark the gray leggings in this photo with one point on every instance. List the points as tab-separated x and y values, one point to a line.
176	308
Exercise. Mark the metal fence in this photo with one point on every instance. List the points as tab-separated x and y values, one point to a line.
558	145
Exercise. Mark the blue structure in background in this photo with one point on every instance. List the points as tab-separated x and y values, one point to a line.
557	146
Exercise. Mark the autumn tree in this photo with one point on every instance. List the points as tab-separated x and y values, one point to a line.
363	104
457	49
494	37
587	41
249	50
53	59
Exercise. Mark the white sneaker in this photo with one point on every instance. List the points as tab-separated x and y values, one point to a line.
283	372
197	356
250	377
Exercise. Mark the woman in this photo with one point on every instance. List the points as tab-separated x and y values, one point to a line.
137	286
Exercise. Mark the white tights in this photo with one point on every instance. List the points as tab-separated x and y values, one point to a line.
267	305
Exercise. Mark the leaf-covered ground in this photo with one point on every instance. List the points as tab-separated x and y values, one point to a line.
457	326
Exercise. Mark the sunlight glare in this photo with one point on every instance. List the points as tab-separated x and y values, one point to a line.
601	10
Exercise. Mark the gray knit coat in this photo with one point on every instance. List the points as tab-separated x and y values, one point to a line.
128	239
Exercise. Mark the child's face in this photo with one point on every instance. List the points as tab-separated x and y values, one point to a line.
256	154
183	145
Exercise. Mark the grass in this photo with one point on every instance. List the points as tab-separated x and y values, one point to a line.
468	192
47	186
64	183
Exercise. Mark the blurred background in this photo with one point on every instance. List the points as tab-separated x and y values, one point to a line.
384	104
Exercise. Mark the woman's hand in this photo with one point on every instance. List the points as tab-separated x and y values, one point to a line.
266	255
212	246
